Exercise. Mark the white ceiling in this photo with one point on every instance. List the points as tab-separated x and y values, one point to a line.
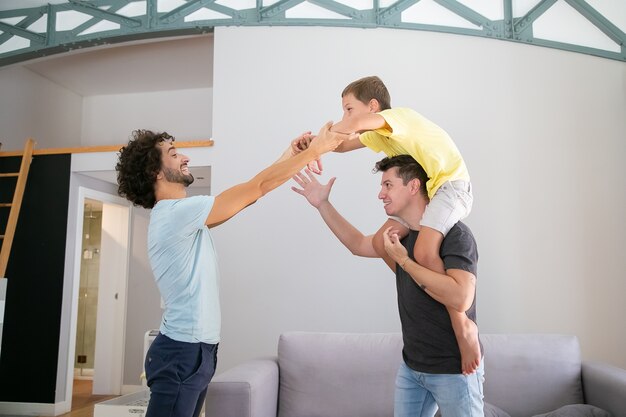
155	65
144	66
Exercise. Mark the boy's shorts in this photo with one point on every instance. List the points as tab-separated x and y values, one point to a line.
451	203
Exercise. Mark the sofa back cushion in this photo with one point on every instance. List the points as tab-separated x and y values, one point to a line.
338	374
529	374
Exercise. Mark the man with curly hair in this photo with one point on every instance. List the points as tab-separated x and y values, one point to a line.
151	173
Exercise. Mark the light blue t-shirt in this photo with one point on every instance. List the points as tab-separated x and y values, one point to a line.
184	263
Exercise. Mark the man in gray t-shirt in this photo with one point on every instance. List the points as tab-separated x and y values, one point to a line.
430	376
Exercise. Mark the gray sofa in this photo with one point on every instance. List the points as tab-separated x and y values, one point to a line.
352	375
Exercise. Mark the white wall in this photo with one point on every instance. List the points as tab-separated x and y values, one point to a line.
186	114
32	106
542	132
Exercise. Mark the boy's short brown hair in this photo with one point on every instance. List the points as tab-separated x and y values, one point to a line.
367	88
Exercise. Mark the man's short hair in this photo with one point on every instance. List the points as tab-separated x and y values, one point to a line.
367	88
138	166
408	169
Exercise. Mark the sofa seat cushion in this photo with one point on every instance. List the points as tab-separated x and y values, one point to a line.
529	374
493	411
576	410
338	374
490	410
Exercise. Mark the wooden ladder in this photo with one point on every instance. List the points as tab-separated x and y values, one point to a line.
14	206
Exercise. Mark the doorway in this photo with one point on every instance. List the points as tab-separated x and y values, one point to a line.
88	291
99	288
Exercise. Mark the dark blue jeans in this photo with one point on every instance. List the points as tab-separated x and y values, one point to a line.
178	375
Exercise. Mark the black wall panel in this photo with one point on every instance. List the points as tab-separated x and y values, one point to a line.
32	317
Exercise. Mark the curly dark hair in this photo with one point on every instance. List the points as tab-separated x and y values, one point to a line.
408	169
138	165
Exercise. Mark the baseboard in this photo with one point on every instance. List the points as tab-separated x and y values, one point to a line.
131	389
34	409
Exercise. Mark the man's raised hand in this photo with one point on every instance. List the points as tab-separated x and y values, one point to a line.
312	190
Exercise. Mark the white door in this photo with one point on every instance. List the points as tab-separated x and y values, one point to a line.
110	324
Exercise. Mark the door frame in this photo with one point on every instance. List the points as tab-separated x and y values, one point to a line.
83	193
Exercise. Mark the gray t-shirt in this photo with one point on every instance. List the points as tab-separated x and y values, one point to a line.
430	345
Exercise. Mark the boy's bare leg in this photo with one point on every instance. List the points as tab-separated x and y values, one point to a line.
426	253
466	333
426	250
378	242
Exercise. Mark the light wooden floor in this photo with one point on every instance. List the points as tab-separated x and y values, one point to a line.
83	400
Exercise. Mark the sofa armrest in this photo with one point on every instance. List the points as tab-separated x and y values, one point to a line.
604	386
247	390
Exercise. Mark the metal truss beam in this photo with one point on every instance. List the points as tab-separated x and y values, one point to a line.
181	21
81	6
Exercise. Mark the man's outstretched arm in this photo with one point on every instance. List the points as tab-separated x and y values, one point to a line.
233	200
317	195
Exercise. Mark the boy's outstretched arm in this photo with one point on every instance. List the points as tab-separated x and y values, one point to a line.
355	125
359	123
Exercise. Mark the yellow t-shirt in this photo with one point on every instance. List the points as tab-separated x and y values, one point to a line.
430	145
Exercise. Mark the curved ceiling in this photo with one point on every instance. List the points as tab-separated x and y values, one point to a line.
35	28
139	67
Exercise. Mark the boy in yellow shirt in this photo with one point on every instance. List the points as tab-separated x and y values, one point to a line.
372	123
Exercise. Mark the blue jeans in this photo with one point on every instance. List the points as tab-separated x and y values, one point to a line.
178	374
418	394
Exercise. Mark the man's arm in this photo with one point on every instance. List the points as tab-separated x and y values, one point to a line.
233	200
317	195
356	242
454	289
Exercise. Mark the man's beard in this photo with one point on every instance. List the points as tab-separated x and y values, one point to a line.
178	177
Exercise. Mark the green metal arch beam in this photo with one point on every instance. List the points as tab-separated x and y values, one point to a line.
154	24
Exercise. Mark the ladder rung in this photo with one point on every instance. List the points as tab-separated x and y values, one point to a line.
10	174
18	194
